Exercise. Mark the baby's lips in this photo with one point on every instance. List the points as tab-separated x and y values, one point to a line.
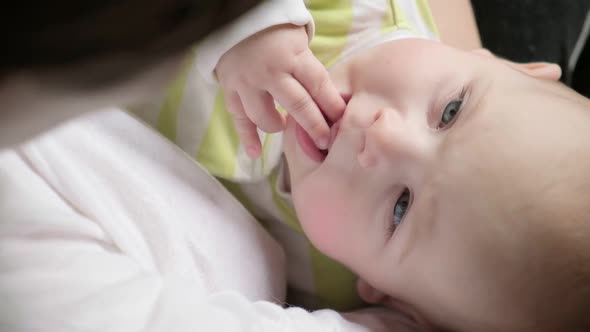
335	126
346	97
334	132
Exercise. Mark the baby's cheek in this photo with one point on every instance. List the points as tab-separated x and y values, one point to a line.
321	215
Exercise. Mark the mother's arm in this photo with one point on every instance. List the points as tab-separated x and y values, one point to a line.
456	23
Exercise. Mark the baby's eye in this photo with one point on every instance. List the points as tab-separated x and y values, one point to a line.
449	113
399	210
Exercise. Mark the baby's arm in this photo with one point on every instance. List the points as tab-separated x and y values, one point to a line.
277	64
456	23
265	57
268	14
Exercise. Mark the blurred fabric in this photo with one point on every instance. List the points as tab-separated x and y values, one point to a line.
539	30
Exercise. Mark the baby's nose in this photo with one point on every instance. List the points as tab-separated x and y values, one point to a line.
387	140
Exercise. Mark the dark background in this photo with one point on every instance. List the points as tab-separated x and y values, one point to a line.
536	30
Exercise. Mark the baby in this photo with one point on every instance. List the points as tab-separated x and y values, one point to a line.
430	136
457	185
213	112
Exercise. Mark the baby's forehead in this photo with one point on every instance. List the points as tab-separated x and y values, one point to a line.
380	49
380	43
503	153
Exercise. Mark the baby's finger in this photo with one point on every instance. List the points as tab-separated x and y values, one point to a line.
299	104
260	108
245	128
314	77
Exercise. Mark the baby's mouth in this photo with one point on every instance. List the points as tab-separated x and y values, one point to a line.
333	133
310	148
335	125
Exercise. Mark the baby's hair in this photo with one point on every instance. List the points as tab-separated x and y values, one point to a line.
564	299
558	218
557	272
50	35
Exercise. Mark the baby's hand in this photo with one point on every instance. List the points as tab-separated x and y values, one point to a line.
277	64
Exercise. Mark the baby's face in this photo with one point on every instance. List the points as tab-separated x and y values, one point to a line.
421	188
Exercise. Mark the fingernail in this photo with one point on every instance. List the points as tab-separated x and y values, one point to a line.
323	142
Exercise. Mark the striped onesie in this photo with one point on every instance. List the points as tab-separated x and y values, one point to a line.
192	114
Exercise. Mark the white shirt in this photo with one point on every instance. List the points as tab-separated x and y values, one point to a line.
105	226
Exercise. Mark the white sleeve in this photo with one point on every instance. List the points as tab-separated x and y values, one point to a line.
105	226
269	13
64	279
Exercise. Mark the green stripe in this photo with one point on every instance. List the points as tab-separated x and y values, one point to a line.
391	15
236	190
284	207
335	285
333	21
426	14
265	147
395	19
173	98
219	149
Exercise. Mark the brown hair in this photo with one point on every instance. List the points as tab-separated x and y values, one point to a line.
551	208
52	35
561	274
